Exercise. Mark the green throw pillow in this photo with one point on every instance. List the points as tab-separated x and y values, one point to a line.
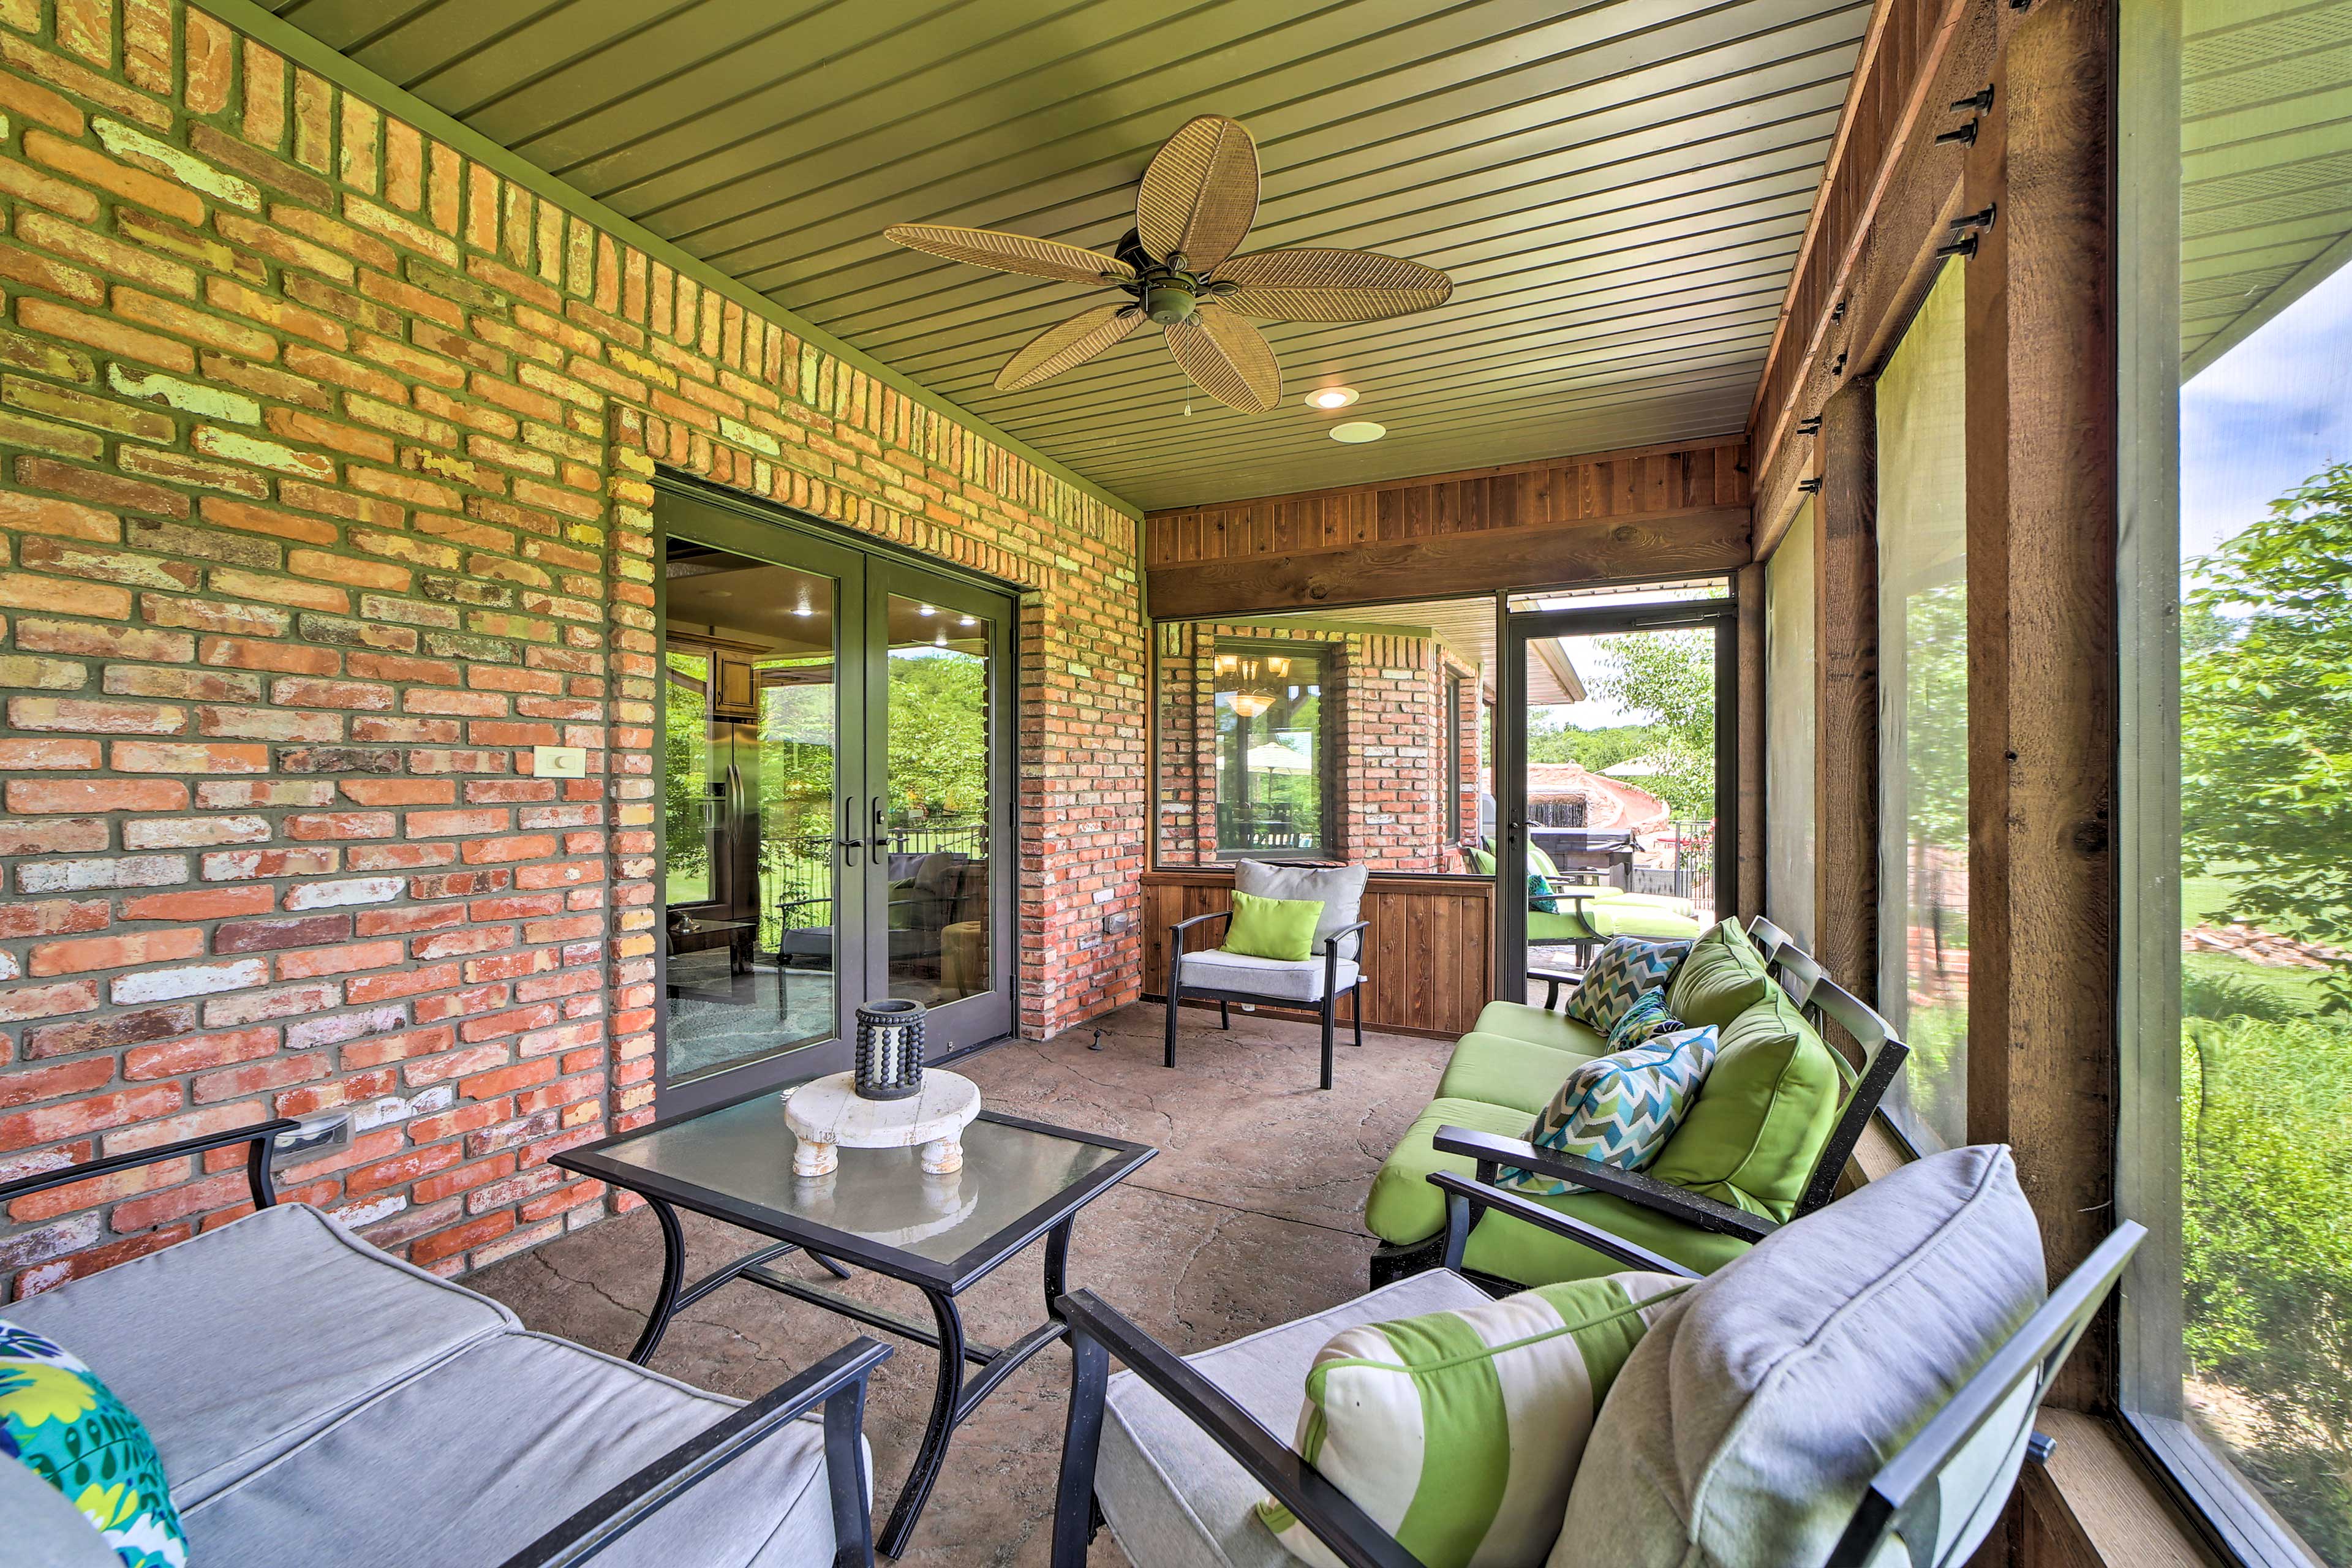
1273	928
1762	1117
69	1430
1720	977
1460	1432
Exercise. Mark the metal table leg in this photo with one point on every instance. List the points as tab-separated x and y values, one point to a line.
673	1271
1058	1267
945	1400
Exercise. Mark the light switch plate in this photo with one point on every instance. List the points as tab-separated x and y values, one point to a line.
559	761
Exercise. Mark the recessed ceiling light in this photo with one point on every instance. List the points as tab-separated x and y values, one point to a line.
1331	397
1357	432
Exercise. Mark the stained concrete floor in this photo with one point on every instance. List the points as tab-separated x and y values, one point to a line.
1251	1216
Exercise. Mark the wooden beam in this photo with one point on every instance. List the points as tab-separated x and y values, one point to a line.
1845	693
2097	1504
2043	702
1664	544
1889	271
1749	902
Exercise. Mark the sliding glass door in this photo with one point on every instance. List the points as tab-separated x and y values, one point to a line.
835	807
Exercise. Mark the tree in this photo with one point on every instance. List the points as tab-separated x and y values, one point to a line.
2266	717
1667	680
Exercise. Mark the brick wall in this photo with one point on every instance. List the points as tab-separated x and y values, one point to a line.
324	463
1385	716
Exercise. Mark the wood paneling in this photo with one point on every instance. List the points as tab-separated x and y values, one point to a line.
2042	700
1846	694
1749	900
1893	96
1428	962
1647	511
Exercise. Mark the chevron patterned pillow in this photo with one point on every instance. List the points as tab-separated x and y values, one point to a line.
1618	976
1620	1110
1644	1021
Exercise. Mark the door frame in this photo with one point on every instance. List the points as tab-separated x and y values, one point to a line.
1514	630
864	567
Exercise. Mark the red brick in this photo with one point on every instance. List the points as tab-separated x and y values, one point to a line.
221	1192
25	1086
51	1122
97	1191
459	1239
259	1078
79	955
401	1169
83	795
64	1271
199	1053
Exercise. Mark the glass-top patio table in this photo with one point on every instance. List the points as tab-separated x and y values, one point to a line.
1020	1181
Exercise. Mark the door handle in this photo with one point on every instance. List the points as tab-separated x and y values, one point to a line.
881	840
849	847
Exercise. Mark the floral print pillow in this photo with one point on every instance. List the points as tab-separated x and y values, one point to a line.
70	1429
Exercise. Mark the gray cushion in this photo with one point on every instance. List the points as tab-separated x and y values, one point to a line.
1175	1500
1338	889
1278	979
234	1346
1745	1427
42	1529
473	1460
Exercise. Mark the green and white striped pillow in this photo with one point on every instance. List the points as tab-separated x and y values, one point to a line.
1459	1433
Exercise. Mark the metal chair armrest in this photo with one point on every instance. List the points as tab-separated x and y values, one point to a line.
258	1135
1330	944
1176	932
1555	979
1646	1192
1098	1331
1465	1198
838	1383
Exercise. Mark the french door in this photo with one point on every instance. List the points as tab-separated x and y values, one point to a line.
1615	782
835	805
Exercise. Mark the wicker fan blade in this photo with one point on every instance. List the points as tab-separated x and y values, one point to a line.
1199	195
1067	345
1330	285
1011	252
1230	360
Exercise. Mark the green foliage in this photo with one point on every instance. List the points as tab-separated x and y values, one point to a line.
2222	996
1553	740
938	735
1669	678
686	787
2266	716
2266	1165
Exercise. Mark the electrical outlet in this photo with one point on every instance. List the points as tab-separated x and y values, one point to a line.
559	761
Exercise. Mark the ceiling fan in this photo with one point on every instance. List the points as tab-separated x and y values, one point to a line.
1177	268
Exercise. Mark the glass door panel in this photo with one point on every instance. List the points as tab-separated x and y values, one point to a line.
1612	807
942	815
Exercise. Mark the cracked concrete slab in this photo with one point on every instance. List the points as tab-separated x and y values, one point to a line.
1250	1216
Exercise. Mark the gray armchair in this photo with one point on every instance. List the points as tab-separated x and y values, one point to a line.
1334	968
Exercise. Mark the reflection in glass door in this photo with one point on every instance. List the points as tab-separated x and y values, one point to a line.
749	782
1615	780
836	800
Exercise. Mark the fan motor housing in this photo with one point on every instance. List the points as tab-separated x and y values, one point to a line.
1167	303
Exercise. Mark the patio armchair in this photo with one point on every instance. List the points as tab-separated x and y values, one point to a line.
313	1399
1318	981
1912	1327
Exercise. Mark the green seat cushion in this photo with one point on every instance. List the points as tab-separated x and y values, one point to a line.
1540	1026
1514	1250
1720	977
1762	1117
1630	917
1559	926
1403	1208
1500	1070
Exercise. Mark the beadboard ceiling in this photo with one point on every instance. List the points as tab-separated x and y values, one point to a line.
2266	147
1618	190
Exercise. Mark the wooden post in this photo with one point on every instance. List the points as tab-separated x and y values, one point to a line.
1749	581
1846	695
2043	689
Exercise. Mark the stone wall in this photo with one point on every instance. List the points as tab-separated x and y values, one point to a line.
327	456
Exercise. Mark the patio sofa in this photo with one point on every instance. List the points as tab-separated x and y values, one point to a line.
316	1400
1767	1139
